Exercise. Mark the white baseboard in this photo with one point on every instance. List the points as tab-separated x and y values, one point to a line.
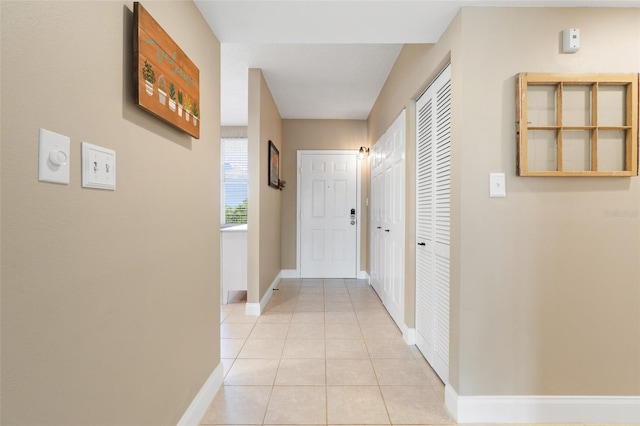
269	293
256	309
252	309
451	401
290	273
201	402
409	335
363	275
294	273
543	409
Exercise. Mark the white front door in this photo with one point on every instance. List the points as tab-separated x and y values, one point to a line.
328	215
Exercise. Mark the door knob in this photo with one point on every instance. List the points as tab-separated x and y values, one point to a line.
422	244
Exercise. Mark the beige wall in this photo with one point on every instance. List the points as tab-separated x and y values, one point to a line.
263	236
545	287
110	300
549	282
311	135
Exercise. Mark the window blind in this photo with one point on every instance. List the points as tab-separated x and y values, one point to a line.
235	180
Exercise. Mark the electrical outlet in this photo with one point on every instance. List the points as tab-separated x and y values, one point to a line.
98	167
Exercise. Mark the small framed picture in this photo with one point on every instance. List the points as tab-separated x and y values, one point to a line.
274	166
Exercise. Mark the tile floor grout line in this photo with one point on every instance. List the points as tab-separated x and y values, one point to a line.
352	292
384	402
326	378
275	377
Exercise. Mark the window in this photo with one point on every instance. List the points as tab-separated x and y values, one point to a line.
235	180
577	125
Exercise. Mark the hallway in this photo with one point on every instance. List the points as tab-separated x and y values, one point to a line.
323	352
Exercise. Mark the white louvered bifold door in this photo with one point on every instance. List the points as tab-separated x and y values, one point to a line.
433	217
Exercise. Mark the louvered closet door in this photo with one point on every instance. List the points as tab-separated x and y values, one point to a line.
433	118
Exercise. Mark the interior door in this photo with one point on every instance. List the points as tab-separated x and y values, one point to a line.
433	212
388	218
328	215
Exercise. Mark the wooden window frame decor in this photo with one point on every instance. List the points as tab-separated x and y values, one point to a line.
577	124
274	166
166	82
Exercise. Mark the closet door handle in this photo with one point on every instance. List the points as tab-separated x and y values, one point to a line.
386	230
379	227
422	244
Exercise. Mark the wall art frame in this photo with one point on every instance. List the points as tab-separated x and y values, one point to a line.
274	166
166	82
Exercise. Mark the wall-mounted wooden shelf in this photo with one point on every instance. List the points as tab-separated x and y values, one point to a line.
577	124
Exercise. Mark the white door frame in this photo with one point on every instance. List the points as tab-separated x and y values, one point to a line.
354	152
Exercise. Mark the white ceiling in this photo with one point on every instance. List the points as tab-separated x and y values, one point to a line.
307	81
329	58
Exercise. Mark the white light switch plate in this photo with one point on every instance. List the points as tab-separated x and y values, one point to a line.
497	185
98	167
53	158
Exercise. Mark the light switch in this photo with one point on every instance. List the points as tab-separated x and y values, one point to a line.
497	185
53	161
98	167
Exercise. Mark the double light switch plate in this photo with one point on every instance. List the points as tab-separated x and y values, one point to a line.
98	167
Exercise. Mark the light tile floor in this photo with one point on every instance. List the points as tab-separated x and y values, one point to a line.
324	352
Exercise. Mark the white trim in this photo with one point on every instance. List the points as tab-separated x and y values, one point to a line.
359	208
222	186
201	402
543	409
290	273
451	400
269	293
252	309
256	309
409	335
364	275
298	233
301	152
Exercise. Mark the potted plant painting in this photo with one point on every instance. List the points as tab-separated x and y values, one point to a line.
187	108
149	77
172	97
196	113
162	90
180	103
